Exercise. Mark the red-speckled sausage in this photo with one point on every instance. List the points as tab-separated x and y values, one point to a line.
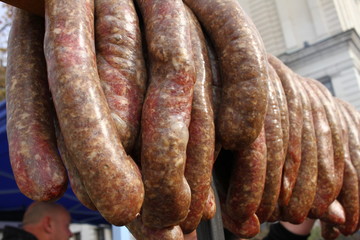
111	178
166	112
275	156
201	145
349	195
349	198
337	141
74	177
275	215
282	103
216	91
223	165
38	170
304	191
216	78
121	64
325	180
284	114
245	229
353	136
247	180
354	114
140	231
243	65
329	231
293	155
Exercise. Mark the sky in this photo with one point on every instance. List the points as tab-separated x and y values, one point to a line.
5	25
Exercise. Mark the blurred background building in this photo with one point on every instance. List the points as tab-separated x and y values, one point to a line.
315	38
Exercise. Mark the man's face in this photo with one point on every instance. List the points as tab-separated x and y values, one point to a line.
61	230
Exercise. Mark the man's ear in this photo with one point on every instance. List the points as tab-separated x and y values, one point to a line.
47	224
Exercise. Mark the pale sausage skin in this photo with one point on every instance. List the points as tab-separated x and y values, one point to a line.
304	191
121	65
293	154
36	164
335	214
201	145
111	178
166	112
243	65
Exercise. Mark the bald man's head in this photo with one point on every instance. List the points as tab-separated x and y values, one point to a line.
47	221
37	210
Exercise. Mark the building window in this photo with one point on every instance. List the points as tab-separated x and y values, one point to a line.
100	233
326	81
76	236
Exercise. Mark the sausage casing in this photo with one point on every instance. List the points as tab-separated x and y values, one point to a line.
38	169
166	112
111	178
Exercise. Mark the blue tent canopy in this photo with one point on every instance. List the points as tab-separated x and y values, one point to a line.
13	203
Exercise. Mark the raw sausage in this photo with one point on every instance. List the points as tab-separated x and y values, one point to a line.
304	191
349	198
245	229
282	103
111	178
274	158
166	112
140	231
350	193
243	65
201	145
329	231
74	177
325	154
293	154
337	141
38	169
247	180
121	65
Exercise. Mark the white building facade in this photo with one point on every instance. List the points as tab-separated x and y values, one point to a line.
315	38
